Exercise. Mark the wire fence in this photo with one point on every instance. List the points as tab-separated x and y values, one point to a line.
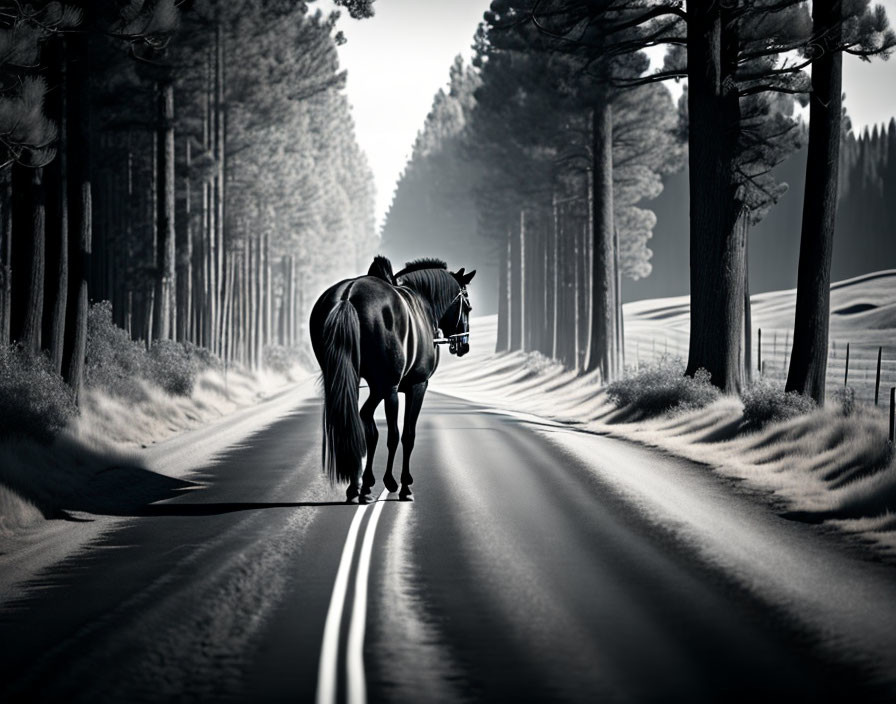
869	368
850	363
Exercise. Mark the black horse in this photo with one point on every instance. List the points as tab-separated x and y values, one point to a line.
383	328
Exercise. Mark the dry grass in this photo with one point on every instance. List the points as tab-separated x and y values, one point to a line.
94	464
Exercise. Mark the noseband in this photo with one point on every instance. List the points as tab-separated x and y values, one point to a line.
453	341
460	338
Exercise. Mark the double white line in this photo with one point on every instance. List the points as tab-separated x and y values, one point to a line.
354	654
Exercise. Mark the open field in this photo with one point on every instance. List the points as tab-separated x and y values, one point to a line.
863	315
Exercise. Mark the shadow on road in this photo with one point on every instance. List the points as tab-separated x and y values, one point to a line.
217	509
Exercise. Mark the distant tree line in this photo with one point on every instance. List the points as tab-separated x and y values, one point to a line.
868	182
489	177
192	162
560	83
864	227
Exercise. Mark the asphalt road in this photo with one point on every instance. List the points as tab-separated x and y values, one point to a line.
523	571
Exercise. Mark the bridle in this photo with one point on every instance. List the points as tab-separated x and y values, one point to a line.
460	338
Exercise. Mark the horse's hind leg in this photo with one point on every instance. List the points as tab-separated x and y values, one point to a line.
391	403
371	435
413	404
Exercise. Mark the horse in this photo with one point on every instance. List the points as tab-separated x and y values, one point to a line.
383	328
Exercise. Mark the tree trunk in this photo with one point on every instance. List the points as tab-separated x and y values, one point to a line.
283	308
502	342
268	294
290	301
259	302
576	265
34	307
60	221
300	302
514	303
523	307
716	243
554	282
185	258
568	253
748	311
620	327
254	288
5	254
211	207
228	311
80	185
809	357
165	239
219	183
129	239
599	353
547	306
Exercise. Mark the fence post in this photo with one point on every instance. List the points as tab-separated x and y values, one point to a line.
786	351
880	351
759	352
892	415
846	373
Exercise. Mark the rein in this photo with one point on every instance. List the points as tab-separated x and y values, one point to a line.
450	339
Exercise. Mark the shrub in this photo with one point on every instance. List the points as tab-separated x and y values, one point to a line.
203	358
34	400
663	386
538	363
281	359
845	396
115	362
172	367
766	402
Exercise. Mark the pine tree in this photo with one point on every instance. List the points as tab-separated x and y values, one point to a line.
859	30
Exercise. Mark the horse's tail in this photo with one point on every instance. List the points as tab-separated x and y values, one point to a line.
344	445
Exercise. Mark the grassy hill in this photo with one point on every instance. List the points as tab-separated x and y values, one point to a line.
863	315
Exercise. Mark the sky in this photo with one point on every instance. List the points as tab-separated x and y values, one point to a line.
398	60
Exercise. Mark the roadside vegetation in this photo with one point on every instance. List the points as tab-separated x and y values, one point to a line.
54	454
661	387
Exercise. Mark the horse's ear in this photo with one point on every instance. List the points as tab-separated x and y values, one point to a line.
459	274
465	279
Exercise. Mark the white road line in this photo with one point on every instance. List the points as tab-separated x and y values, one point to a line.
329	652
357	681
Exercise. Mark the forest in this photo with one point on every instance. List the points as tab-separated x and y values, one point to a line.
191	163
545	155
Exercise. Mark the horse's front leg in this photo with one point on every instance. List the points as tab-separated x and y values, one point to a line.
391	404
371	435
413	404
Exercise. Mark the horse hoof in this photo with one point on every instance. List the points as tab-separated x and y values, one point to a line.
391	484
362	499
406	494
365	490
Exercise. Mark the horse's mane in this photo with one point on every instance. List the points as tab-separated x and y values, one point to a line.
419	264
431	278
382	269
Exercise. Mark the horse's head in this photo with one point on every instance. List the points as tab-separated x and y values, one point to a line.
455	323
